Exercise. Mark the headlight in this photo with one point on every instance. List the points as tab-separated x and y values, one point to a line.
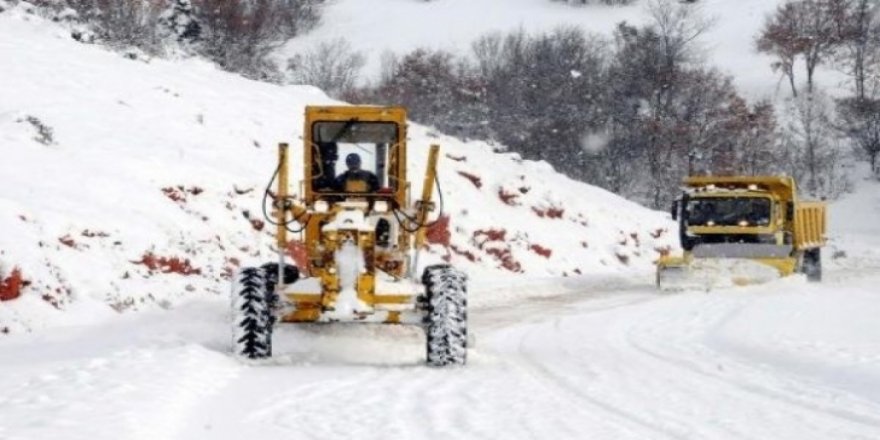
380	206
322	206
743	223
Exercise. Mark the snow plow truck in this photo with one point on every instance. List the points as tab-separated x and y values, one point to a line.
743	230
358	235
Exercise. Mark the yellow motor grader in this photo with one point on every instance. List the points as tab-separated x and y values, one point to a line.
743	230
361	235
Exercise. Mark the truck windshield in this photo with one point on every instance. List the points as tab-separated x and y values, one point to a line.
728	211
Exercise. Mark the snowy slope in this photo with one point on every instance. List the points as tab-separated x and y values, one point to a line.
782	361
398	26
611	359
787	360
854	245
153	159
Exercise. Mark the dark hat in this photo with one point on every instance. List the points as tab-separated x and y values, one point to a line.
353	160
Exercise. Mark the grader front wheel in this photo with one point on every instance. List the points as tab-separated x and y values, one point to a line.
251	315
446	319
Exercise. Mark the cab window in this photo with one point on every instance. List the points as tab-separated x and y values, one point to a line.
374	144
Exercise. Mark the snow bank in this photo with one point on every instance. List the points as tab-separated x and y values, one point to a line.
136	184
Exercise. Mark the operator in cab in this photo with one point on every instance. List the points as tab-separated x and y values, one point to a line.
355	179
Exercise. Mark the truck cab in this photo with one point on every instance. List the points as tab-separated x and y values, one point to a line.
754	225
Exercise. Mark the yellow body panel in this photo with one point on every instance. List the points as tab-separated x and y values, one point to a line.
427	190
800	225
810	220
781	186
322	245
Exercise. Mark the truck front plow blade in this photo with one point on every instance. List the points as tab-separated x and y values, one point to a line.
704	274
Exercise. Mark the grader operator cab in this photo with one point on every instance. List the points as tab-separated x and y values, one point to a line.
743	230
361	234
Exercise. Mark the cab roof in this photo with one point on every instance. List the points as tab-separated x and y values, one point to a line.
781	186
360	113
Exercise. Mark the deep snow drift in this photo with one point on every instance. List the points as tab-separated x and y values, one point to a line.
156	166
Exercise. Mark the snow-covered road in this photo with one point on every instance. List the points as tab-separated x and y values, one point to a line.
784	361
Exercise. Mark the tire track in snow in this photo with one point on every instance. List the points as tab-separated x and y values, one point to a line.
743	382
571	389
539	373
696	416
537	309
132	394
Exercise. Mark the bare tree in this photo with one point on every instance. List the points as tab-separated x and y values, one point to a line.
597	2
819	33
121	24
806	28
238	35
664	51
859	26
860	122
678	27
178	22
757	142
779	37
813	148
332	66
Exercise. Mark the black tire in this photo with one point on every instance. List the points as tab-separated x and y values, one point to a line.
270	275
446	315
812	265
251	315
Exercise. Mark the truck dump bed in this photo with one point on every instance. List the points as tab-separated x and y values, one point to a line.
809	225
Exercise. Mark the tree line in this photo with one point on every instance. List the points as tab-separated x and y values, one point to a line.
639	111
238	35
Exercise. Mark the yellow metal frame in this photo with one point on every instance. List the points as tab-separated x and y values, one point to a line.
322	245
425	206
810	223
395	115
781	186
806	224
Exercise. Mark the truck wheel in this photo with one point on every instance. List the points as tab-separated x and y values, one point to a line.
251	315
813	265
446	318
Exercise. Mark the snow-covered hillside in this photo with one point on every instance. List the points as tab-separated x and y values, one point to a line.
454	24
116	171
112	165
787	360
854	245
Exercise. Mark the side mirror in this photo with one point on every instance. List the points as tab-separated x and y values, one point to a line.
674	210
